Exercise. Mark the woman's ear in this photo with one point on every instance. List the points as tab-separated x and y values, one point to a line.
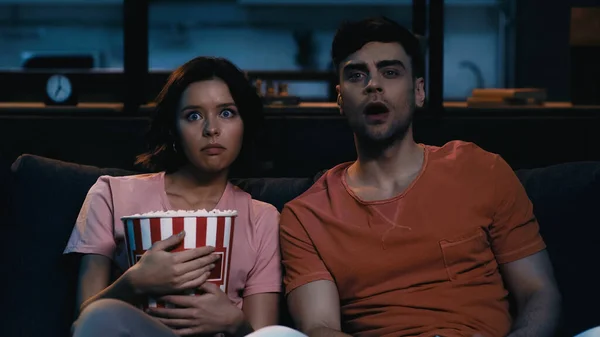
172	133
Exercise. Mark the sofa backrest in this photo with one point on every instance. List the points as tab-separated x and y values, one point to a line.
566	202
4	187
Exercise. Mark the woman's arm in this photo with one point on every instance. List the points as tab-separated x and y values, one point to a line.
214	312
263	287
93	237
261	310
158	272
94	276
94	282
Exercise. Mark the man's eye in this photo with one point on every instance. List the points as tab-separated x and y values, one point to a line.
355	76
391	73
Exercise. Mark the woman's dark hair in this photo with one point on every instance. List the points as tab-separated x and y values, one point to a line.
163	137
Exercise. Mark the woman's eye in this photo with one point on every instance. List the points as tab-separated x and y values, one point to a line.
227	113
193	116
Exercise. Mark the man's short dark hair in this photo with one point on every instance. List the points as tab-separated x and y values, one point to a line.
353	35
163	138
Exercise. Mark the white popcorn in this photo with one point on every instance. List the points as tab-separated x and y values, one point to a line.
183	213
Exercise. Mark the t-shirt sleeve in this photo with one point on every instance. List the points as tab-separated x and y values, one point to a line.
301	262
93	231
515	230
265	276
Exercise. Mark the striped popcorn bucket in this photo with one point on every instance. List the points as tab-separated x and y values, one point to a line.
142	231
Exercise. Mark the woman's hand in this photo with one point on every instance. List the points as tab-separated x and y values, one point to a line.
209	313
162	272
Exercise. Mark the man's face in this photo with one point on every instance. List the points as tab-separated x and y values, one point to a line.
377	92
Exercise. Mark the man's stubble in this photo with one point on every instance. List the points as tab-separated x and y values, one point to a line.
396	131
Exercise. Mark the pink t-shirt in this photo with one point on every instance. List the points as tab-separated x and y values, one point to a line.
255	260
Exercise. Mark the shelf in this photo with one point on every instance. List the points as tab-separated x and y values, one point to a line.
359	2
60	2
550	110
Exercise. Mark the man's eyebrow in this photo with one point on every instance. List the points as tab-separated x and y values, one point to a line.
380	64
388	63
356	66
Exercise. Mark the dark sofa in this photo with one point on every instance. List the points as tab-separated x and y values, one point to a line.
41	198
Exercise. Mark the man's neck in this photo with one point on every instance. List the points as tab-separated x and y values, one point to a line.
388	166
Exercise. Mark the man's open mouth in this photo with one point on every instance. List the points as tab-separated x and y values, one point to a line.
375	108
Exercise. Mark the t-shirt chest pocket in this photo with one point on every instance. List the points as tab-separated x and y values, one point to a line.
468	256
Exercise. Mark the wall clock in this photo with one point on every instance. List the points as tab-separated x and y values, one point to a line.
60	90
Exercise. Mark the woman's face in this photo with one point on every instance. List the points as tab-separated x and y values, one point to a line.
210	127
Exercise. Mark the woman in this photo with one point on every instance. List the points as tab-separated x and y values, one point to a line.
205	115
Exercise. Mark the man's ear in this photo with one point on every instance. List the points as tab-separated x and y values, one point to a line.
340	101
419	92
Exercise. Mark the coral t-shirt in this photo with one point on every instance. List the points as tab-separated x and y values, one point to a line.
423	263
255	255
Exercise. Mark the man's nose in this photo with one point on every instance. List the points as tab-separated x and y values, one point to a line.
373	86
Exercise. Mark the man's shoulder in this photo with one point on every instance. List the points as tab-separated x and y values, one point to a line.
462	150
458	153
318	194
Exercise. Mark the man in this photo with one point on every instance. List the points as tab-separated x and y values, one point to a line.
411	239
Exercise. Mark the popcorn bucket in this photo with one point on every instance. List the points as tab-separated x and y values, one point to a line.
202	228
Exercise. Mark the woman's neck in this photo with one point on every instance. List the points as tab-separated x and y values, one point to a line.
190	188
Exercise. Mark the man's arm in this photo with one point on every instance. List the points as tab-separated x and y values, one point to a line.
521	255
315	308
312	295
531	281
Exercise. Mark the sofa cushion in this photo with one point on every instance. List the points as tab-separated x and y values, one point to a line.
46	197
4	190
565	199
275	191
